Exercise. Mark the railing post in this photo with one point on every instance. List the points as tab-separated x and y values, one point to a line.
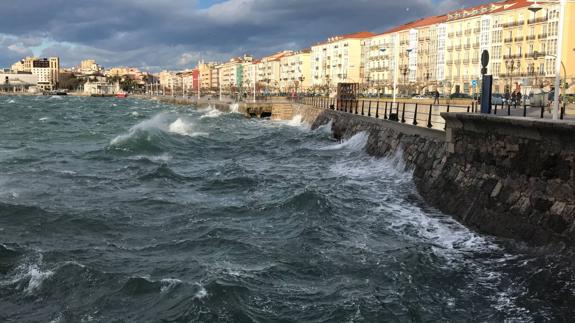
495	110
356	104
362	106
524	109
468	108
542	111
429	125
385	111
562	111
403	114
377	110
448	108
508	109
415	116
369	109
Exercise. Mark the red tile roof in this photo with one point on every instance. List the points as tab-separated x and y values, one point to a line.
489	8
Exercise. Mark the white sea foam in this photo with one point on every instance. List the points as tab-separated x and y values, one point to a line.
160	158
180	127
234	108
296	121
213	113
356	143
326	128
157	122
43	119
201	293
56	97
29	277
168	284
135	114
11	101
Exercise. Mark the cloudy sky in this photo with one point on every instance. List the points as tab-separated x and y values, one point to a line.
174	34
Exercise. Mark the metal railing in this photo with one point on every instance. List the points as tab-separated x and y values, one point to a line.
412	113
424	114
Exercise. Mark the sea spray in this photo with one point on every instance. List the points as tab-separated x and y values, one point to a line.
356	143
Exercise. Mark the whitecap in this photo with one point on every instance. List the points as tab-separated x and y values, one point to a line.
43	119
180	127
356	143
326	128
168	284
11	101
201	293
234	108
156	122
213	113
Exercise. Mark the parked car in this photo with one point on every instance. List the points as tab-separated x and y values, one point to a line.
497	98
460	96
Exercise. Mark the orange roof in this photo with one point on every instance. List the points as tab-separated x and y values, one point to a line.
358	35
489	8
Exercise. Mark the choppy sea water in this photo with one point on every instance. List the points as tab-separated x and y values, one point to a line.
135	211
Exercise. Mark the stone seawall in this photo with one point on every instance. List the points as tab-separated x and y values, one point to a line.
511	178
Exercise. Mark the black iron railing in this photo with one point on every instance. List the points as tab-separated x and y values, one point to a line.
423	114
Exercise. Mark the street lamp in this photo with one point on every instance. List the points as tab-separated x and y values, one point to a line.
427	76
511	66
404	70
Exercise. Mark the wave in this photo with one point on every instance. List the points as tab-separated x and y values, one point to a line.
153	135
234	108
326	128
296	121
356	143
212	113
163	172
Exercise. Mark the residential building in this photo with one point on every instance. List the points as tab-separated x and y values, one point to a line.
268	71
338	60
231	73
88	67
295	71
444	52
46	69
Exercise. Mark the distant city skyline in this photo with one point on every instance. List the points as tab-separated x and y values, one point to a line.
154	35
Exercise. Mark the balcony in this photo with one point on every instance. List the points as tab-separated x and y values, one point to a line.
466	61
513	56
475	61
475	45
467	46
450	48
459	33
508	40
468	32
477	30
458	47
519	39
542	36
537	20
450	35
530	37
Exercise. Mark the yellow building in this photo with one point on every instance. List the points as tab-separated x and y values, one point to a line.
47	70
443	52
208	73
268	71
338	60
295	71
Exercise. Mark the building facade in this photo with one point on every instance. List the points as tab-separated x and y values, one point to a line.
443	52
338	60
295	71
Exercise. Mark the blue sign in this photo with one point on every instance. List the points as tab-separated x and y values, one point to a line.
474	83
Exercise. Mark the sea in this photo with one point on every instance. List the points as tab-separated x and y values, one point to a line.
132	210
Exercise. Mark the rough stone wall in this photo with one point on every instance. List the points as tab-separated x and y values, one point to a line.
507	177
511	177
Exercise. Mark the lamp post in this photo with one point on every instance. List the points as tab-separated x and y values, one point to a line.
404	70
427	76
511	66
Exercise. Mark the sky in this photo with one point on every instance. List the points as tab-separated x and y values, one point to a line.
174	34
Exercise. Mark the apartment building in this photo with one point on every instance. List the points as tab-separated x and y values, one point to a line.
231	73
443	52
47	70
268	71
295	71
338	60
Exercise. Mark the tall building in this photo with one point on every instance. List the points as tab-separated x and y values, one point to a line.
46	69
338	60
231	73
268	71
443	52
89	66
295	71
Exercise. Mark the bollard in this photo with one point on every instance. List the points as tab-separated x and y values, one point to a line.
495	110
356	105
403	114
415	116
524	109
562	111
429	125
385	111
362	106
508	109
542	111
369	109
377	110
467	109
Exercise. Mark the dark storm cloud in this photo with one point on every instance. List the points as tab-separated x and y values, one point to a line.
175	33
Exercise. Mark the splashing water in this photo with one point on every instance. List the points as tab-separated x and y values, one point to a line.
356	143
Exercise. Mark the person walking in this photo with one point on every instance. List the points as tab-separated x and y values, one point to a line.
550	99
436	97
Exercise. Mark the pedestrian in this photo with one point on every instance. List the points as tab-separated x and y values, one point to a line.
436	97
519	97
550	99
513	98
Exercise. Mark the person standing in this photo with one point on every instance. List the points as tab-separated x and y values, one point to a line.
550	99
436	97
